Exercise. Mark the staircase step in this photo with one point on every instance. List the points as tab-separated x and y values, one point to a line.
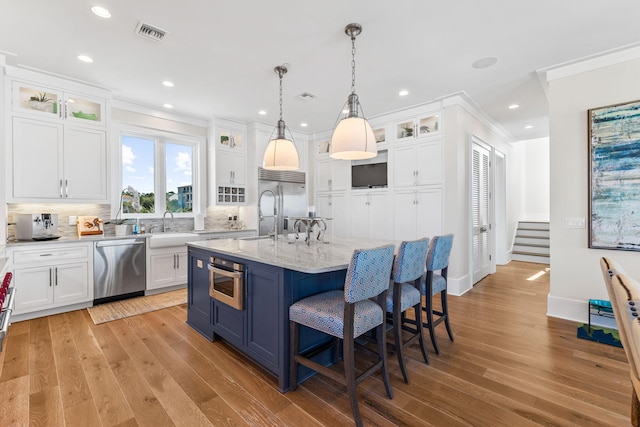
531	249
534	225
532	240
532	233
529	257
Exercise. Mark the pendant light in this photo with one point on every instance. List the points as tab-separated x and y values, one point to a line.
353	137
281	153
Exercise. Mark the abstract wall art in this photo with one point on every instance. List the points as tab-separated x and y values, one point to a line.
614	177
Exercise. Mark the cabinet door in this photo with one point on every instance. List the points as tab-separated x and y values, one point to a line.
404	218
404	166
230	139
360	215
71	283
264	314
380	216
199	303
85	164
323	175
182	270
35	288
341	223
229	323
83	109
37	159
230	168
429	161
341	174
429	220
163	270
33	99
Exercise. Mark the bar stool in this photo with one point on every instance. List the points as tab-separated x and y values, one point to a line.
437	260
404	293
347	315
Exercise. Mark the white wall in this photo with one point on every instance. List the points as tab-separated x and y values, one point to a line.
535	179
460	124
575	270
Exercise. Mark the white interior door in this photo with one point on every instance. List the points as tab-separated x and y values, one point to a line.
481	231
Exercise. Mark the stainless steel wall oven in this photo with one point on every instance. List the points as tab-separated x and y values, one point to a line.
226	282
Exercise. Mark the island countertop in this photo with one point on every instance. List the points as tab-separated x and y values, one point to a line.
315	258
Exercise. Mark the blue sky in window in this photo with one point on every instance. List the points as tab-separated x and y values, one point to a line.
138	159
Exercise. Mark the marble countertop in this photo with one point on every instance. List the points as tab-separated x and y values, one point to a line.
92	238
317	257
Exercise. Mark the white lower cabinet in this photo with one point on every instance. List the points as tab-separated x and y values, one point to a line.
167	267
51	277
371	215
417	213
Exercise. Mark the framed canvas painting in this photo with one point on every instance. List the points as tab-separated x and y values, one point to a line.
614	177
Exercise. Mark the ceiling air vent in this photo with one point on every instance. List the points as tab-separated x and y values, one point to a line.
306	96
150	32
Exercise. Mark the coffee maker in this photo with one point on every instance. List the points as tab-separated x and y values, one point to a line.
42	226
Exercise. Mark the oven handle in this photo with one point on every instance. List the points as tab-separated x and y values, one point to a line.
226	273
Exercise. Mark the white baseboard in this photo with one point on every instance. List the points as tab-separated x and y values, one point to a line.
568	309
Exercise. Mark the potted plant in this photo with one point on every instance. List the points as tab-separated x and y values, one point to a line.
408	131
40	102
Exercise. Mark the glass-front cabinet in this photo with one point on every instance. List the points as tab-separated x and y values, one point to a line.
427	125
54	103
230	139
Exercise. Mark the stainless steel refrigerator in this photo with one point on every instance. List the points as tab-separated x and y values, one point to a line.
281	195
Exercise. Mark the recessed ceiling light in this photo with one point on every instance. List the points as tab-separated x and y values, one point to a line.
262	113
528	126
304	125
403	93
101	12
513	106
84	58
485	62
169	106
167	83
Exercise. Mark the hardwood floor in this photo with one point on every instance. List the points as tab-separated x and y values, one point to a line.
510	365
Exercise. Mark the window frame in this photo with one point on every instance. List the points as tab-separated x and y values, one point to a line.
160	138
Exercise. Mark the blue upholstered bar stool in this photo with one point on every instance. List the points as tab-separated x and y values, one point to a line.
404	293
346	315
437	260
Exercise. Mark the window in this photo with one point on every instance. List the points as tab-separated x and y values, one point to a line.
159	173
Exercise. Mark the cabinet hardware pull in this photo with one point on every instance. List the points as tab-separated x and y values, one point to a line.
60	108
46	254
61	189
50	277
55	269
177	262
66	188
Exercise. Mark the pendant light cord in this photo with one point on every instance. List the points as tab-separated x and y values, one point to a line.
280	74
353	63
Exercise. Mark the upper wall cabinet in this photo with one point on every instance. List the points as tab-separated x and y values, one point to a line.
56	139
57	104
229	139
423	126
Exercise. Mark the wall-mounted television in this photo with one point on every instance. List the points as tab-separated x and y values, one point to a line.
371	175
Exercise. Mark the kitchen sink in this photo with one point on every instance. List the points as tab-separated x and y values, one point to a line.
165	240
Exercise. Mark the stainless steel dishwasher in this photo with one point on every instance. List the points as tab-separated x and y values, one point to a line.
119	269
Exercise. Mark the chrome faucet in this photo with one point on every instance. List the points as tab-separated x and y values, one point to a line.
274	231
164	222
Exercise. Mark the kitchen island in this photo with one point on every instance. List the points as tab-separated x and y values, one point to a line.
276	274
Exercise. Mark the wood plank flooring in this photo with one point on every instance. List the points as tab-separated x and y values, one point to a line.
510	365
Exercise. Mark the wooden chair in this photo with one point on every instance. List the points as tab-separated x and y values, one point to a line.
347	315
437	260
404	293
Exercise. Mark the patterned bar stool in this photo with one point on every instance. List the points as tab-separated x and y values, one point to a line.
404	293
347	315
437	260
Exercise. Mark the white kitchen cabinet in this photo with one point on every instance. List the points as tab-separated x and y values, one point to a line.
51	278
332	175
371	214
166	267
418	164
230	139
426	125
417	213
57	162
334	205
51	103
231	168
